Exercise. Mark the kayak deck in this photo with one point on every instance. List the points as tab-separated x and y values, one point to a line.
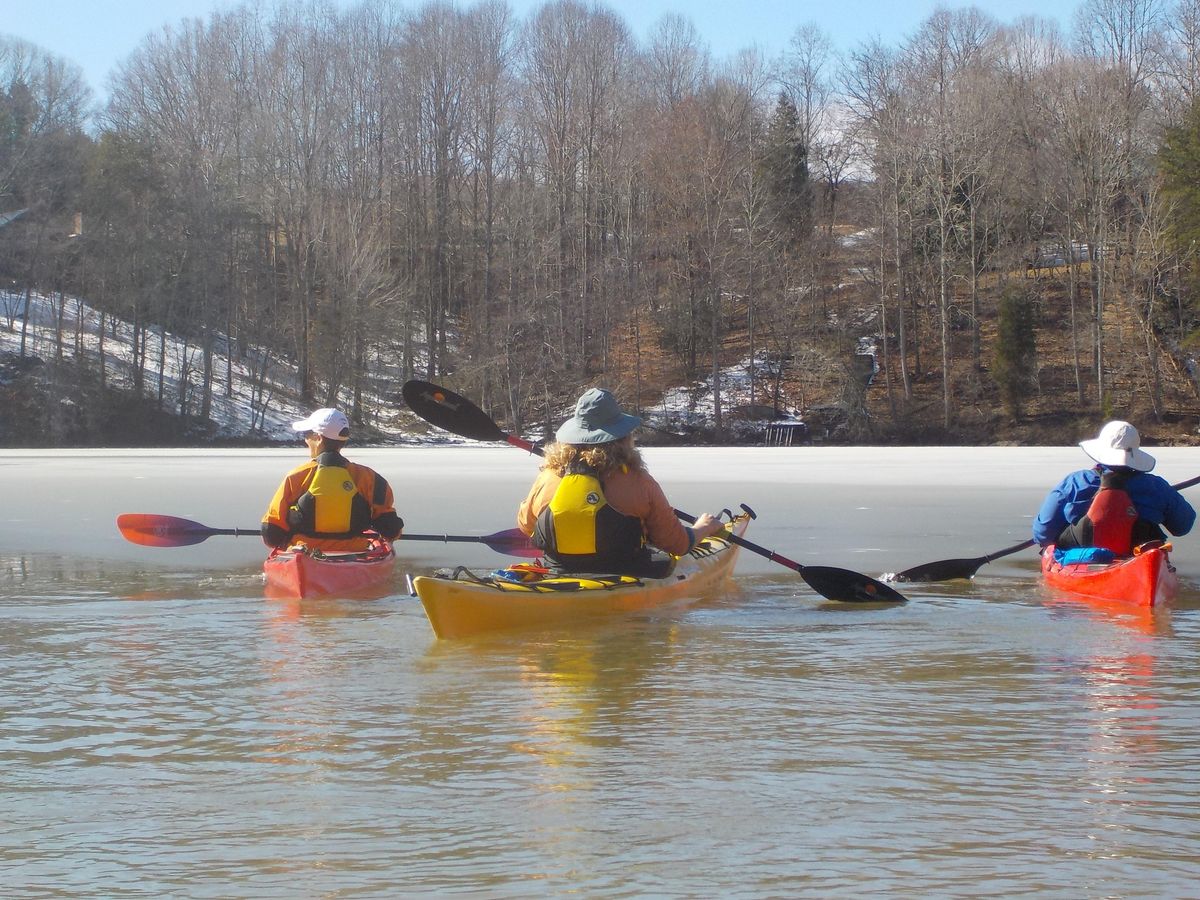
460	608
300	574
1145	580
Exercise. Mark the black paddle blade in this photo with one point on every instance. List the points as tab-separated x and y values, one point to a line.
949	569
449	411
942	570
513	541
852	587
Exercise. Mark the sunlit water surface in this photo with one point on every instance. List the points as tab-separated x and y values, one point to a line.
165	730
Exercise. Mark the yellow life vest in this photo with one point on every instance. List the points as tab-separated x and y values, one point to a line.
332	507
581	532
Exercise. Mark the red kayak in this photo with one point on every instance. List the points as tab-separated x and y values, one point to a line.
301	573
1146	579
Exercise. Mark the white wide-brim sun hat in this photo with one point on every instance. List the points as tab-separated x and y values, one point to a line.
1118	444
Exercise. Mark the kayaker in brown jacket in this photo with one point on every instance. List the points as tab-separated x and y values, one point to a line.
595	508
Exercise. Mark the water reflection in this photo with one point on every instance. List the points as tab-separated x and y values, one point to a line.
986	737
1143	620
562	723
575	690
42	576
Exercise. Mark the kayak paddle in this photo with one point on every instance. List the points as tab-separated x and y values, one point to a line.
169	531
452	412
949	569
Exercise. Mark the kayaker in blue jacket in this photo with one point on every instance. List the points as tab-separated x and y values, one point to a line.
1116	503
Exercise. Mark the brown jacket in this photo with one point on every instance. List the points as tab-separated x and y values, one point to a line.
631	493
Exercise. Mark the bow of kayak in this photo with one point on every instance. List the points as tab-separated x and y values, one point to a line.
1144	580
459	608
298	573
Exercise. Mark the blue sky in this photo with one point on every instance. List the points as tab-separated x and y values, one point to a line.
97	34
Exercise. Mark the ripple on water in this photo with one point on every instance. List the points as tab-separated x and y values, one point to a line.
976	739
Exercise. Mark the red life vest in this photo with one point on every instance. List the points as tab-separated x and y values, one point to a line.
1112	515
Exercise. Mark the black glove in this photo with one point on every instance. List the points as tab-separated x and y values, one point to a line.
274	536
388	525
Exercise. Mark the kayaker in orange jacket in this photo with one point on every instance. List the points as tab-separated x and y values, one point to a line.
328	502
1117	504
594	507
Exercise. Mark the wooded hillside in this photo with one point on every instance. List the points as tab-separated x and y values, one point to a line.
1003	215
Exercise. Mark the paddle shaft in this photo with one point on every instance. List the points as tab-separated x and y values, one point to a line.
1186	484
497	539
444	538
501	539
171	531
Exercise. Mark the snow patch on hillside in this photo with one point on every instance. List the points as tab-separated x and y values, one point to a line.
248	400
254	394
694	406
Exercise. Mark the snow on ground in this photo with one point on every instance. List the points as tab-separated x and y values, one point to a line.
694	405
857	238
243	410
239	409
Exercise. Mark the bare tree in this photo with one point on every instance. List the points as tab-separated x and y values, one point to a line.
949	48
881	120
42	114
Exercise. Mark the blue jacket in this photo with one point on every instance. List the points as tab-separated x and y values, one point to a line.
1156	501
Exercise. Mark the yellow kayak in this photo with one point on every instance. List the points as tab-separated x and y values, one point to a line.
459	607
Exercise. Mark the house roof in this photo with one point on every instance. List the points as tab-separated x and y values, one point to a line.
6	217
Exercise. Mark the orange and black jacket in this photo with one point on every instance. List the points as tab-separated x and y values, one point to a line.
301	508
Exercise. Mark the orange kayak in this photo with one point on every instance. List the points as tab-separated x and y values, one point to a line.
302	573
1146	579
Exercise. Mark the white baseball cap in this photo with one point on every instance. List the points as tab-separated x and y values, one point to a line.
330	423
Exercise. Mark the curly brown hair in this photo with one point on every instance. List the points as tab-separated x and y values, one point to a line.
614	456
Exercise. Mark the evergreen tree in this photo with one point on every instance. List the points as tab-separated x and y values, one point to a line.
1179	158
1016	348
784	172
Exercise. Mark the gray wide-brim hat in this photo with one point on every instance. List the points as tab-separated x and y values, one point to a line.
598	419
1118	444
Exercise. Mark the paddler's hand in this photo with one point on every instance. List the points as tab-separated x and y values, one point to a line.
706	525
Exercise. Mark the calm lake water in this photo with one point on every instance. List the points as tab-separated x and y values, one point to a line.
165	731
